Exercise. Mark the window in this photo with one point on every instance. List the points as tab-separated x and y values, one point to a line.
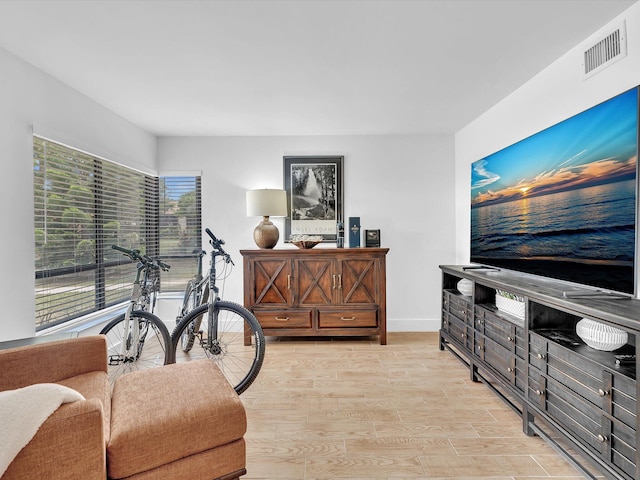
83	205
180	229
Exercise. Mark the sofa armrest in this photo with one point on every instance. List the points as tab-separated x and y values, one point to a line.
52	362
69	445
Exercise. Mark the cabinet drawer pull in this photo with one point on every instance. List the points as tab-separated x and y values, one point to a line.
602	438
281	319
540	356
602	392
539	392
480	348
509	339
348	319
289	282
509	369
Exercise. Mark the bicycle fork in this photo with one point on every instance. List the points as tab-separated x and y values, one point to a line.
213	344
134	333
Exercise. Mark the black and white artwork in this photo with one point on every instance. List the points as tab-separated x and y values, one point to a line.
314	194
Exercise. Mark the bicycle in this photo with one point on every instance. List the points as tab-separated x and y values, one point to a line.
222	331
197	291
138	339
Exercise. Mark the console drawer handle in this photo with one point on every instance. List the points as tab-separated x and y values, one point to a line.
281	319
509	369
348	319
602	438
602	392
540	356
509	339
540	392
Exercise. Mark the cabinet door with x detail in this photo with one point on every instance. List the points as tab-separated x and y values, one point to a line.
272	283
317	281
358	281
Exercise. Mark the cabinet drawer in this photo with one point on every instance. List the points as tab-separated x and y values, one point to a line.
284	318
573	411
537	387
504	362
342	319
458	330
623	448
499	358
459	307
538	352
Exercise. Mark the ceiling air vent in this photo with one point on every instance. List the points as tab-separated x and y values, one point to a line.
608	49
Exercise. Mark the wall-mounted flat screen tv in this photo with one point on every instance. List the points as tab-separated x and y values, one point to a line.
563	202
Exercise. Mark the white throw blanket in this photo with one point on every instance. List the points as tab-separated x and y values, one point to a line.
22	411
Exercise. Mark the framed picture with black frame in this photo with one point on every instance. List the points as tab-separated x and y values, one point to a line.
314	195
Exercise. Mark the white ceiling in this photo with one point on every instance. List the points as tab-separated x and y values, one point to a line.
298	67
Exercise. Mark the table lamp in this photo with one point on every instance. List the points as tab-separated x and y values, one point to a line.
266	203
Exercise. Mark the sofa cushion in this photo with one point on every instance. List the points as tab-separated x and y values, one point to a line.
53	361
94	385
164	414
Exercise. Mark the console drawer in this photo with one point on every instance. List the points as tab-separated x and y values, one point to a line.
342	319
284	318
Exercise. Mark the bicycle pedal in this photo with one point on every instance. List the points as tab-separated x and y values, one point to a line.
114	360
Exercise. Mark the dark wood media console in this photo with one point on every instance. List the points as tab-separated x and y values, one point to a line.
577	398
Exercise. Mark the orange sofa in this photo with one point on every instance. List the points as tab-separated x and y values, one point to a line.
181	421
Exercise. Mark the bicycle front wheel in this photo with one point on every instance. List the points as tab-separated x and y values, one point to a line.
237	344
142	342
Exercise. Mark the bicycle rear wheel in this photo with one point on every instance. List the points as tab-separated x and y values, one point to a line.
239	362
144	343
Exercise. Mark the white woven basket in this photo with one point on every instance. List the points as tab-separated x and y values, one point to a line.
600	336
508	305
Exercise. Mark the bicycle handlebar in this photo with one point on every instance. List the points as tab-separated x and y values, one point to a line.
217	243
135	255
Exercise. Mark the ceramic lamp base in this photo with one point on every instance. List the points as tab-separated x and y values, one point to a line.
266	234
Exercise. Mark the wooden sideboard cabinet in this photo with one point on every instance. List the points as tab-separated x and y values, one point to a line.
317	292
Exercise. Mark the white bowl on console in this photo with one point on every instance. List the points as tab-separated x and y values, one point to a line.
600	336
465	287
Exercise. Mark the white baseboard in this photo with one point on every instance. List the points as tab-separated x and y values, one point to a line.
413	325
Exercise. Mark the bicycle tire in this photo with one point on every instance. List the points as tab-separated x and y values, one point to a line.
155	350
239	363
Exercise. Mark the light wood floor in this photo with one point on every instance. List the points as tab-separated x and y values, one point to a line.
350	408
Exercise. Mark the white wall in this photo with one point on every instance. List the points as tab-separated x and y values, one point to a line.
28	97
555	94
400	184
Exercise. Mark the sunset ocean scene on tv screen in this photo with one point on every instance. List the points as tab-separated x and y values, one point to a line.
562	203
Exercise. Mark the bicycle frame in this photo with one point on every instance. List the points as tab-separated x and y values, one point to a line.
212	333
199	280
140	301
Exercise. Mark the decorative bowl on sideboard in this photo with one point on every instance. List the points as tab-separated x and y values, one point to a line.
305	241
